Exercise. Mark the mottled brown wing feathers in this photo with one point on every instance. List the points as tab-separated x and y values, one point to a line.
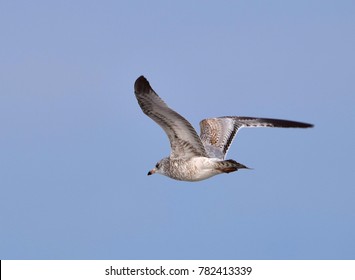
184	141
217	134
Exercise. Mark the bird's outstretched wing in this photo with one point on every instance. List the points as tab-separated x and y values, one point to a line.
217	133
184	141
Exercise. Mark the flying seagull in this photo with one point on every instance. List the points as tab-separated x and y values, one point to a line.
193	157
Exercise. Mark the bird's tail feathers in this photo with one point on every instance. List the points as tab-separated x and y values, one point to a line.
230	165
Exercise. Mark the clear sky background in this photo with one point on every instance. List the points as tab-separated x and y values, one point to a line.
75	147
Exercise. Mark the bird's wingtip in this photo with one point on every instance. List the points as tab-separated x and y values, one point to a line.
141	85
305	125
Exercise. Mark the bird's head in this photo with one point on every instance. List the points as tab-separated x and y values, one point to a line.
159	167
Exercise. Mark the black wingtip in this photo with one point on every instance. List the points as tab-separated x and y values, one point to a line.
287	123
141	85
305	125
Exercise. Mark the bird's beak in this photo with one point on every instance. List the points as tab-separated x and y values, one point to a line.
151	172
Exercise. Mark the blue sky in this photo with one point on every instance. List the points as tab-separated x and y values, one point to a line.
75	147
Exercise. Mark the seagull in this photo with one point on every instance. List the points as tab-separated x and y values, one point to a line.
193	157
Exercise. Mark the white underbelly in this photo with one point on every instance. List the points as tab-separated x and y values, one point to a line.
204	168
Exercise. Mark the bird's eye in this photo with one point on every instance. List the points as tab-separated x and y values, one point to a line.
157	165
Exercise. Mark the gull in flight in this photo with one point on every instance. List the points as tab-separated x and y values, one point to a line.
193	157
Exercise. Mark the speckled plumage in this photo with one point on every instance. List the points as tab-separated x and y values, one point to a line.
195	158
